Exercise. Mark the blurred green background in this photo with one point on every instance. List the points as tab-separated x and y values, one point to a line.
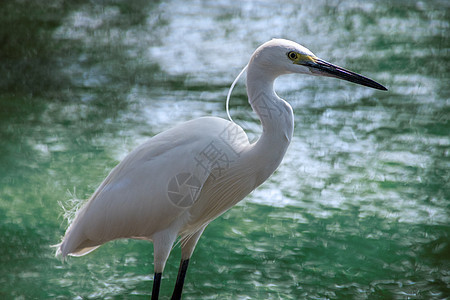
359	209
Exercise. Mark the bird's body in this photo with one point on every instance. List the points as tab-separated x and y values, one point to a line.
134	203
183	178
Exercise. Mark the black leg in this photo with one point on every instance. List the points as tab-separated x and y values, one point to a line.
180	279
156	285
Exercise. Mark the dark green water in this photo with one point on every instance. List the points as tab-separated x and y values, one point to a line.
359	209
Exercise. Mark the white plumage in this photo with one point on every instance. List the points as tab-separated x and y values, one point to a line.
183	178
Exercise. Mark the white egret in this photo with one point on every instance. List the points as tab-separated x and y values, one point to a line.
180	180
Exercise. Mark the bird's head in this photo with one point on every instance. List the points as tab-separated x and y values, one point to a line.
283	57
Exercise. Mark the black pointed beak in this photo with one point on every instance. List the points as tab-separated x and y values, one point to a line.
323	68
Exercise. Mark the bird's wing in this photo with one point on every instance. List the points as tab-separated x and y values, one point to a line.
150	188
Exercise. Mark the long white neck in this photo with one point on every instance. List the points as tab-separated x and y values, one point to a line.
276	117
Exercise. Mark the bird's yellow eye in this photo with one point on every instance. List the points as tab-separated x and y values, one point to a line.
293	55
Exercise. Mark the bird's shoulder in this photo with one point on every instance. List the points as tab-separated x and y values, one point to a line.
190	137
181	146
